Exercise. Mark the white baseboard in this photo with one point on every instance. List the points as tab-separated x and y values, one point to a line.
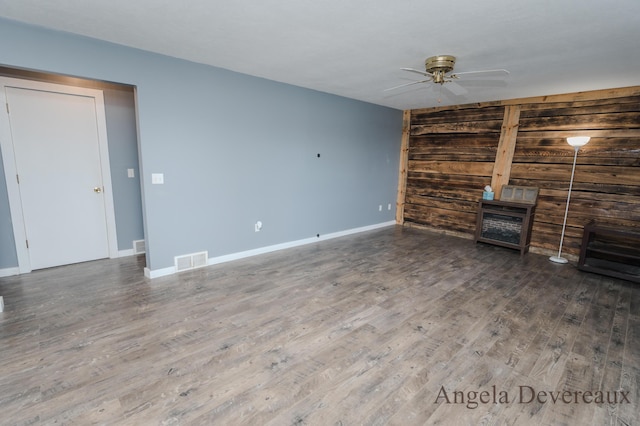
125	253
7	272
157	273
263	250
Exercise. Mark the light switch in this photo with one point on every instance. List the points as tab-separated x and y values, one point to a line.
157	178
131	173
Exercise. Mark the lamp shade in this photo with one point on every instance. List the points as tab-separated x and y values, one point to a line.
578	140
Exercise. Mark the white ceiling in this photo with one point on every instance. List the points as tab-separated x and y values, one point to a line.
355	48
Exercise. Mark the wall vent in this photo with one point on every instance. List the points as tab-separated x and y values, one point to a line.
138	247
191	261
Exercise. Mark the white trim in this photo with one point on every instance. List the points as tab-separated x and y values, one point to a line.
8	272
297	243
157	273
125	253
268	249
8	157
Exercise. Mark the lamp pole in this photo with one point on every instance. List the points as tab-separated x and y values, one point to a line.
576	143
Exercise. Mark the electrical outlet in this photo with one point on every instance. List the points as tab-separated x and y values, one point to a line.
131	173
258	226
380	208
389	206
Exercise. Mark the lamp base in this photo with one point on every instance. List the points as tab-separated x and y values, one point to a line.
556	259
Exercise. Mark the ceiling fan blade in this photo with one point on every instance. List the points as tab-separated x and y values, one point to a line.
455	88
497	71
426	74
405	85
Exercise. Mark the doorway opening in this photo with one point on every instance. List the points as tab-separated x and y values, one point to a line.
120	173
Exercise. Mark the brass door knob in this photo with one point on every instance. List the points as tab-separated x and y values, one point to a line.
97	190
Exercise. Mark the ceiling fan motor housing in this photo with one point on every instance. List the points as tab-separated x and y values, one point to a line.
438	66
442	64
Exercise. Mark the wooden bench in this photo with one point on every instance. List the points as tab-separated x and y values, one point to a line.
612	251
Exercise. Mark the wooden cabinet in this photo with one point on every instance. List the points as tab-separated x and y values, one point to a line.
612	251
505	223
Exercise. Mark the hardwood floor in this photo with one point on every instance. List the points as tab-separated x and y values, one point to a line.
377	328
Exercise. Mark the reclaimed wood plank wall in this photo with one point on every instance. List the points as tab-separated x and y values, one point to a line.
453	152
451	158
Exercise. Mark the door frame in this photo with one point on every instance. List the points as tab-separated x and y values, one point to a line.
10	170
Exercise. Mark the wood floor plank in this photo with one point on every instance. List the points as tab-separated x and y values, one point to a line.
552	361
630	380
606	414
366	329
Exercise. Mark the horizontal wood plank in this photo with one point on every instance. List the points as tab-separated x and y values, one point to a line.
581	122
585	173
492	126
457	115
451	167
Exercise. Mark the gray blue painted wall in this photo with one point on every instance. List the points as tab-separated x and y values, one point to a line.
234	149
8	256
120	112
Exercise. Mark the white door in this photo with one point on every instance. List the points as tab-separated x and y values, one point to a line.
57	157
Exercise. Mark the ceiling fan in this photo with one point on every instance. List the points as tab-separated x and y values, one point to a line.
438	69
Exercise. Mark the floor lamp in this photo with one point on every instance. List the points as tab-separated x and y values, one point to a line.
576	142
